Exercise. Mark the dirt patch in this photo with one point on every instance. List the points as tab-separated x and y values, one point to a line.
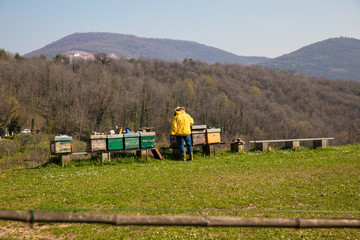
20	230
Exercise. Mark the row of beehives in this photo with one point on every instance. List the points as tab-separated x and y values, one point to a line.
201	135
94	143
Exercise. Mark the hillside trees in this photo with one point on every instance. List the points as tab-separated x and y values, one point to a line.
248	101
3	54
9	105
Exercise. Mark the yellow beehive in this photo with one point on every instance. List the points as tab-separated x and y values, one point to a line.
213	135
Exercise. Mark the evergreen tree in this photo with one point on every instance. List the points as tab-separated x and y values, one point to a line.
15	125
3	54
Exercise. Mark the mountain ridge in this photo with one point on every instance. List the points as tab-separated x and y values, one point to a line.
132	46
334	58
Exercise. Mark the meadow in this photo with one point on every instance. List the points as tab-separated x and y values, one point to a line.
301	183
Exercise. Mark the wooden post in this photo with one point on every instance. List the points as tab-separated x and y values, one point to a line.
209	149
324	143
65	160
105	157
292	144
262	146
142	153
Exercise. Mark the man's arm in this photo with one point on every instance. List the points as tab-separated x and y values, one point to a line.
173	127
191	120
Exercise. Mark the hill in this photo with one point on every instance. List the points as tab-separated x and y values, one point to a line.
335	58
132	47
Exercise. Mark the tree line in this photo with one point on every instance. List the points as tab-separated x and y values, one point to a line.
76	97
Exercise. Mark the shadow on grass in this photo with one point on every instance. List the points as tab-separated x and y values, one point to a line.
116	158
169	155
96	160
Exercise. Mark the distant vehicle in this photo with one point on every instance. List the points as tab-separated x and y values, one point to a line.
26	131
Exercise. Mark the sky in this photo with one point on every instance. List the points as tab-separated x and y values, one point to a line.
268	28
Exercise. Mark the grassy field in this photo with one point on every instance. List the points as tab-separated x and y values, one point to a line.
307	183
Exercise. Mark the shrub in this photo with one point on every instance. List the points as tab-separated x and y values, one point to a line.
8	147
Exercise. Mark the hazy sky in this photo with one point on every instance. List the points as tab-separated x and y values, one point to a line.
267	28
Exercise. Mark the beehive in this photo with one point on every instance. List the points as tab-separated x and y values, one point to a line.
213	135
96	143
237	147
198	134
61	145
147	139
115	142
131	140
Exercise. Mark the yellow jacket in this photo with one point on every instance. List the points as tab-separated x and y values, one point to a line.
181	123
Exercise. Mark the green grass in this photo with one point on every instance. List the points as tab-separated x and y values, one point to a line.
320	183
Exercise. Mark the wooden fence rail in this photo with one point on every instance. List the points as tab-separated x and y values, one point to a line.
157	220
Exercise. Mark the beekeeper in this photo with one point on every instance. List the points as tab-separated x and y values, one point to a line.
181	128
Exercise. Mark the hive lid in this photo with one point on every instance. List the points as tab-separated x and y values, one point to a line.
101	136
127	135
198	127
115	136
213	130
147	134
63	138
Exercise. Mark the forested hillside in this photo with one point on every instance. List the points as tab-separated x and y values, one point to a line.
76	98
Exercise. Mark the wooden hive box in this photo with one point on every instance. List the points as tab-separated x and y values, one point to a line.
96	143
213	135
147	139
61	145
131	140
198	134
115	142
237	147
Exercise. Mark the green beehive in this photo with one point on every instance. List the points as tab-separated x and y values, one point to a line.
115	142
147	139
131	140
